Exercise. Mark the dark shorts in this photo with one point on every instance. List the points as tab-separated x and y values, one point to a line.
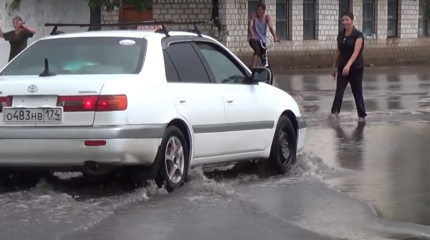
256	46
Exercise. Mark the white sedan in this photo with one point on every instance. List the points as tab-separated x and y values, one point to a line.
150	102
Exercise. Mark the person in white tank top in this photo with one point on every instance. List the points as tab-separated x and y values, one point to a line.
258	32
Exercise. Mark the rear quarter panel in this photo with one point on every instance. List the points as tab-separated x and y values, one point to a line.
148	103
149	98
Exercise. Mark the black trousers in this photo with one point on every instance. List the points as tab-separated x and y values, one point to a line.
355	79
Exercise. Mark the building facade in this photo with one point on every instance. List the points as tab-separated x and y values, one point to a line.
395	30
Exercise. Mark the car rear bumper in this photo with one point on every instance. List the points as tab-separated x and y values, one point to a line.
301	133
65	146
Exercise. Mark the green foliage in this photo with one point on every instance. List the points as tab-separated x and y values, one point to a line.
139	5
15	5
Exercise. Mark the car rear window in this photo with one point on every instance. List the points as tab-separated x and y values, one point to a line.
84	55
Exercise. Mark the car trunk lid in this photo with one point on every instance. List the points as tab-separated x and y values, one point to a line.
25	98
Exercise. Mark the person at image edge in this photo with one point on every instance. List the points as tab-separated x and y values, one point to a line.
17	38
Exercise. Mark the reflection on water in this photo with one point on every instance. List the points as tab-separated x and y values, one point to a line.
424	76
394	89
393	78
371	105
385	163
390	164
394	103
349	147
310	83
348	105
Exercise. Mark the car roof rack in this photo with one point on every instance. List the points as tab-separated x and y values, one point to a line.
163	24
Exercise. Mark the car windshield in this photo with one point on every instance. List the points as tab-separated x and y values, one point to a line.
85	55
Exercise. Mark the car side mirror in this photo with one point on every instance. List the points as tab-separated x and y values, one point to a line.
262	74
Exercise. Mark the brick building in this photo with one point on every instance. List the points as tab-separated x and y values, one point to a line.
395	29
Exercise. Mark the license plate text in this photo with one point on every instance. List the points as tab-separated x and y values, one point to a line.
32	115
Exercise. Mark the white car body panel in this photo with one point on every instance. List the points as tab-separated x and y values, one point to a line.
242	103
201	104
134	135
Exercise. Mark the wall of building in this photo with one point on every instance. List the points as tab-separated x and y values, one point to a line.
296	52
38	12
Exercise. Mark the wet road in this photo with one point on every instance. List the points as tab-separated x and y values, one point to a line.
345	173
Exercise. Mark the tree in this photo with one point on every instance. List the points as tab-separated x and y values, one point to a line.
139	5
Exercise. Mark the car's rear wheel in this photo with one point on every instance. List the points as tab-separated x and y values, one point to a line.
284	146
173	157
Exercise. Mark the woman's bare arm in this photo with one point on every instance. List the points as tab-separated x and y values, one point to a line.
336	57
30	29
357	48
1	33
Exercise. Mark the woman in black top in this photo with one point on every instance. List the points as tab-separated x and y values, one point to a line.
17	38
348	66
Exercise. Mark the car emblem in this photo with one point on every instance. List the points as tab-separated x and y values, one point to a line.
32	88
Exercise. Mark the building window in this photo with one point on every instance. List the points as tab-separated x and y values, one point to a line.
252	7
309	19
344	6
392	18
282	19
368	17
422	23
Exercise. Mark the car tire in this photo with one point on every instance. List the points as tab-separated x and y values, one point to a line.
271	78
284	146
173	157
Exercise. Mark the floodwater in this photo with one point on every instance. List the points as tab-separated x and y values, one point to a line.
352	181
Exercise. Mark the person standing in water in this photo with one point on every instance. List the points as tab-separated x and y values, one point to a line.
258	32
17	38
348	67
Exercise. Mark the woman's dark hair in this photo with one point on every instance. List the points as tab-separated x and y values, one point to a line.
262	6
17	18
348	14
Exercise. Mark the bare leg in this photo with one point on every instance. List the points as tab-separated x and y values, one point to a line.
254	60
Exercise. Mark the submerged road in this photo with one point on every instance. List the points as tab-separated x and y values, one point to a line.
367	181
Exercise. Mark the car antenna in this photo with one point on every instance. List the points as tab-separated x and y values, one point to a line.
47	72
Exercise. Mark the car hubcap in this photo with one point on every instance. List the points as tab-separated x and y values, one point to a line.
284	148
175	159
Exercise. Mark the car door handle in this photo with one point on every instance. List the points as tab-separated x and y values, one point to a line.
229	101
182	101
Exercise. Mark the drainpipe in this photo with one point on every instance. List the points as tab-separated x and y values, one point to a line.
215	18
95	17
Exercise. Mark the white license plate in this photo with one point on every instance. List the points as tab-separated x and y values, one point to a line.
32	115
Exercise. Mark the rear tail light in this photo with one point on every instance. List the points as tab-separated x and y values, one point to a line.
102	103
5	102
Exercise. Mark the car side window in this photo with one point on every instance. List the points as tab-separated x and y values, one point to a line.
224	68
171	73
187	63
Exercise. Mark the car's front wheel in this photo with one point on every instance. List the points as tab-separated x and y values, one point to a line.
284	146
173	157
